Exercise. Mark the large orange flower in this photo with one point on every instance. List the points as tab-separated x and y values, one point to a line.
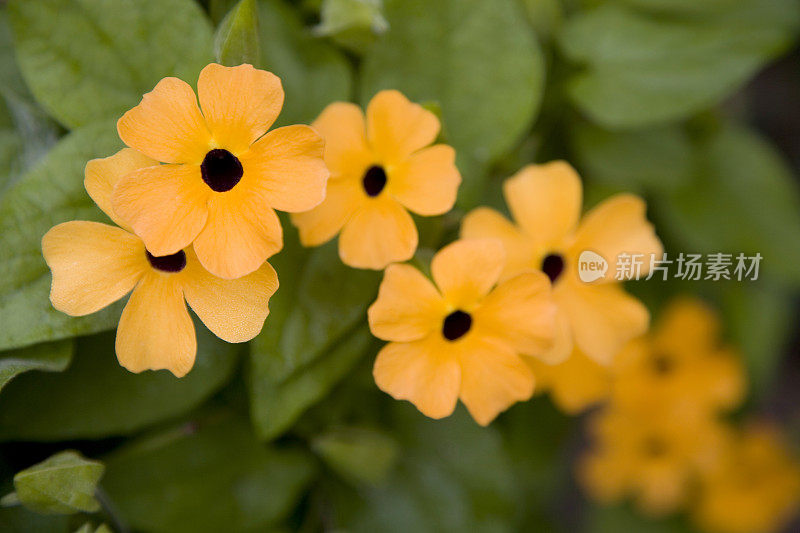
463	337
96	264
223	175
549	235
381	168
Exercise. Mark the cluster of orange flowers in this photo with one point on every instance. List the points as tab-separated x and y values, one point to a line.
194	197
661	439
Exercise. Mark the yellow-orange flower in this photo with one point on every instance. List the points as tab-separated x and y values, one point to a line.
574	384
381	168
681	363
462	337
653	459
753	488
96	264
224	174
545	202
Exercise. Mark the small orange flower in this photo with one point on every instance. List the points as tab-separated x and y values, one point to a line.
463	337
96	264
753	488
380	169
224	175
574	384
545	201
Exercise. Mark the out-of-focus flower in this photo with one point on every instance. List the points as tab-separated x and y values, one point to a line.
96	264
462	337
548	234
224	174
682	364
574	384
753	488
381	168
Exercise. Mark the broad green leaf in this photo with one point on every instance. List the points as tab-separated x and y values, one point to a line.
742	198
657	159
96	397
50	193
18	519
313	73
310	340
353	24
639	69
63	484
360	455
205	477
479	60
546	17
49	357
236	40
90	60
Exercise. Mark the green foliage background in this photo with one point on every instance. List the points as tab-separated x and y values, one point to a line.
289	432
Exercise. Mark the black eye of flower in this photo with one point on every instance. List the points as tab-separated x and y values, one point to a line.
221	170
654	447
553	266
374	180
456	325
167	263
663	364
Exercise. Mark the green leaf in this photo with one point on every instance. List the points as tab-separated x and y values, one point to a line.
313	73
236	40
51	193
91	60
361	455
639	69
96	397
478	59
210	476
20	520
49	357
88	527
310	340
353	24
63	484
742	198
657	159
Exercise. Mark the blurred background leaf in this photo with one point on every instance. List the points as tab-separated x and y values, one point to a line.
352	24
236	40
48	356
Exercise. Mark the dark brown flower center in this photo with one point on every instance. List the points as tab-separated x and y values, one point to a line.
663	364
374	180
553	266
654	447
221	170
456	325
167	263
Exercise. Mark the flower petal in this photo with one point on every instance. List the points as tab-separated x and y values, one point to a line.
233	309
239	103
167	124
396	128
166	205
575	384
618	225
467	269
156	331
486	223
521	313
238	237
93	265
319	225
347	152
285	169
603	318
427	182
493	378
380	233
408	307
420	372
102	175
545	200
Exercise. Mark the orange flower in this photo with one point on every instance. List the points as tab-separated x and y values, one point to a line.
753	488
574	384
545	201
223	176
96	264
681	364
463	337
380	169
